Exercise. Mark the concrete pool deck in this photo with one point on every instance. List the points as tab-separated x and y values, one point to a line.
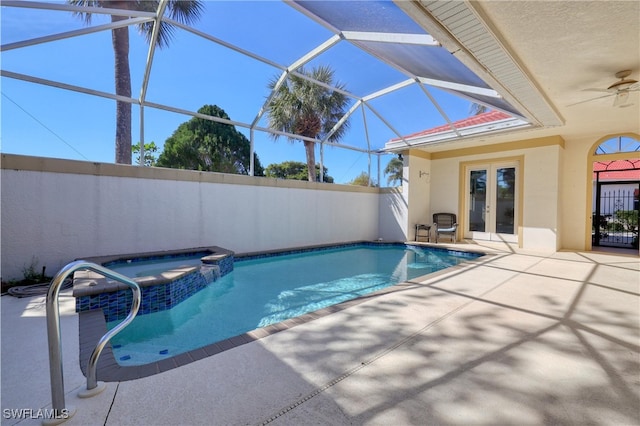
516	338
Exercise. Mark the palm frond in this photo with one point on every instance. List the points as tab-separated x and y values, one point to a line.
86	17
302	107
183	11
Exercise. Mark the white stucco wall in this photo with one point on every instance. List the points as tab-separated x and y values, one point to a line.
575	179
77	209
541	190
393	211
417	187
542	198
577	188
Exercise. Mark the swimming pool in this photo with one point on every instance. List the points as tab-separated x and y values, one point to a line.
266	290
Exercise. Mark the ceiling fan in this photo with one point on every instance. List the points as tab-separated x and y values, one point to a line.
620	89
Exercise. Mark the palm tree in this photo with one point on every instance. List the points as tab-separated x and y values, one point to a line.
184	11
394	170
302	107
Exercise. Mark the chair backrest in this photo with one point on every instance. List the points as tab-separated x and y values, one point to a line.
444	220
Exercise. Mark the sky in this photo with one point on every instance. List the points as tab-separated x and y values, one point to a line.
46	121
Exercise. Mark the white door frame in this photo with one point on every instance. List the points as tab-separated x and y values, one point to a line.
488	210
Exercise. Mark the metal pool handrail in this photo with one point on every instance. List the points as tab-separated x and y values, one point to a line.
53	332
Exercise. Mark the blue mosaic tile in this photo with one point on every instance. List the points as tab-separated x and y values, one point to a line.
116	305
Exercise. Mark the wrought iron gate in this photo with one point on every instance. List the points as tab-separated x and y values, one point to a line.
615	221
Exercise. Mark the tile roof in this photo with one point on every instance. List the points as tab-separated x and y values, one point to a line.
617	170
476	120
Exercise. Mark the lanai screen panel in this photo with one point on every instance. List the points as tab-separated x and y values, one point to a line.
381	24
497	103
367	16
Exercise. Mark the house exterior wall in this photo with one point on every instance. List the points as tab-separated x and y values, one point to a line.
58	210
417	189
541	190
577	187
542	198
575	179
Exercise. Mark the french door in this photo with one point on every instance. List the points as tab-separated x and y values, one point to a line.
492	202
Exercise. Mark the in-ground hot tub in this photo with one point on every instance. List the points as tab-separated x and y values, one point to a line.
165	278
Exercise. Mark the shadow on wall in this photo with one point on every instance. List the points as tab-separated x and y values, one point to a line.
393	216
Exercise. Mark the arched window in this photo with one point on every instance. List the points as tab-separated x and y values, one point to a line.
618	144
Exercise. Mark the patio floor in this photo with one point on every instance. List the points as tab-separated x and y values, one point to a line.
515	338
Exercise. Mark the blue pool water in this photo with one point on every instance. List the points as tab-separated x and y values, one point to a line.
268	290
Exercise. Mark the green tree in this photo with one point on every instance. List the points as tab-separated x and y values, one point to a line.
362	179
150	150
183	11
295	170
206	145
304	108
394	171
629	219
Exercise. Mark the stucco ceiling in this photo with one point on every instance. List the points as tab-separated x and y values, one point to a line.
562	47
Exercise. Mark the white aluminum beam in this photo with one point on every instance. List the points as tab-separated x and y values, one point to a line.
147	71
244	125
342	121
332	41
296	64
389	89
460	87
266	103
326	86
152	48
366	135
224	43
65	86
401	38
74	33
80	9
384	120
440	110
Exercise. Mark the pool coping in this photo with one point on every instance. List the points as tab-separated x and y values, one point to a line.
92	325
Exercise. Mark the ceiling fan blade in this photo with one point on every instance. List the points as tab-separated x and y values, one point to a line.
621	99
634	87
597	90
592	99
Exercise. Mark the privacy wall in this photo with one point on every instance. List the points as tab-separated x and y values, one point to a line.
55	211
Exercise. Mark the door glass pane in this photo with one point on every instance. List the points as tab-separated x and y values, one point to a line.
505	200
477	200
